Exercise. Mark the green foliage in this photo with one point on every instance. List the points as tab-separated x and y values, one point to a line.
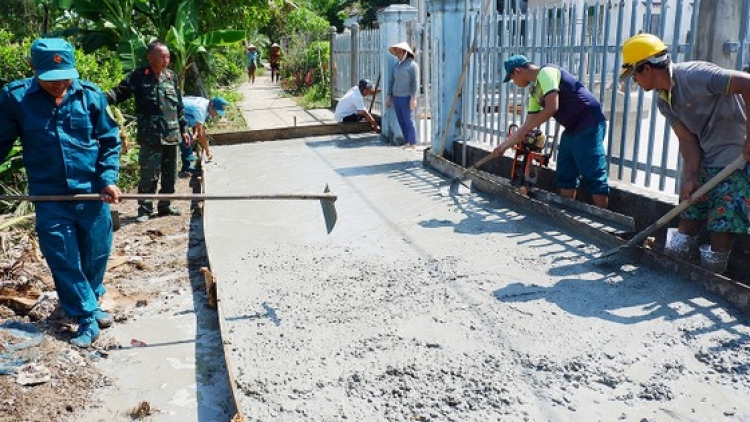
129	169
334	11
102	68
371	8
317	96
185	42
246	15
13	180
222	66
23	17
305	21
14	58
304	66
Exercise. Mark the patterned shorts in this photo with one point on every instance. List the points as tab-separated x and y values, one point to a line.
728	203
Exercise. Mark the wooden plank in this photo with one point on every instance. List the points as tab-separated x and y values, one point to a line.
264	135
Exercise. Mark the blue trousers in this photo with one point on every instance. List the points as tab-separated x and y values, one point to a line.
76	239
583	155
187	157
405	117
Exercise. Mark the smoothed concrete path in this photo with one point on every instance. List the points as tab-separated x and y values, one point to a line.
420	306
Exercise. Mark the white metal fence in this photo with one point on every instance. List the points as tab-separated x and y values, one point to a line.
585	39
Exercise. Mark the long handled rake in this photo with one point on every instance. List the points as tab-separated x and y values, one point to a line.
738	163
327	199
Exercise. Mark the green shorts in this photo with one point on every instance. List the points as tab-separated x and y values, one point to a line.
728	204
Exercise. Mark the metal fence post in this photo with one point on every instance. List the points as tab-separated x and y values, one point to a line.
355	54
332	64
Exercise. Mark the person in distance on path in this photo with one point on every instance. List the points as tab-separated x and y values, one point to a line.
274	60
253	61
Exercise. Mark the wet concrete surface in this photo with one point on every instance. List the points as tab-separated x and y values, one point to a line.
420	306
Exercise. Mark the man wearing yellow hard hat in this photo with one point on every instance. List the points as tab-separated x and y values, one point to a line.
706	107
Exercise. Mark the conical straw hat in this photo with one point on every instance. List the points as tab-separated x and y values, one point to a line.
400	46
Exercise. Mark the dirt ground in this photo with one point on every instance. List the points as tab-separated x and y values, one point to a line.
61	380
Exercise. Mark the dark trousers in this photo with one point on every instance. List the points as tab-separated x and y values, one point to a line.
159	161
353	118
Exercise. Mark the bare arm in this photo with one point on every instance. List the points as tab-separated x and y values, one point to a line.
691	159
740	85
373	123
551	105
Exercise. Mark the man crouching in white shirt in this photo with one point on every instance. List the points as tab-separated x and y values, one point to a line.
351	107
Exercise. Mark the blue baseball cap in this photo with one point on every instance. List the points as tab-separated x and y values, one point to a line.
366	84
219	104
53	59
513	62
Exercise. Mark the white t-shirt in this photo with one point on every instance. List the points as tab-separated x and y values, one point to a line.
350	103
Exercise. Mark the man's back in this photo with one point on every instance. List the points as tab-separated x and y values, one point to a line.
196	109
350	103
578	109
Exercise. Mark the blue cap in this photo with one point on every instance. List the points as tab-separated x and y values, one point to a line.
366	84
53	59
219	104
513	62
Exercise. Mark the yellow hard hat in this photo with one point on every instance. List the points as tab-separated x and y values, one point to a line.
639	49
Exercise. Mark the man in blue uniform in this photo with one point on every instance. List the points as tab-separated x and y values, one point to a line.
161	125
70	146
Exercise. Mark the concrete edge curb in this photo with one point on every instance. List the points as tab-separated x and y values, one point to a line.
223	334
262	135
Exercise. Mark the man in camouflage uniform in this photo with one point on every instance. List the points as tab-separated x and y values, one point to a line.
161	125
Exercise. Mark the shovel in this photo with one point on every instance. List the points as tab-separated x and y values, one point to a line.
738	163
327	199
457	181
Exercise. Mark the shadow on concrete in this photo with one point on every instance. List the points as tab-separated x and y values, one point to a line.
630	298
344	141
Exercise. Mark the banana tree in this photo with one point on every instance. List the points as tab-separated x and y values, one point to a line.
185	43
127	26
111	24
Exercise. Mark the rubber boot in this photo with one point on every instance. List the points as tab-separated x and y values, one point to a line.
680	245
713	261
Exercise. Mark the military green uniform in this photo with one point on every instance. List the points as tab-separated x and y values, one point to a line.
161	123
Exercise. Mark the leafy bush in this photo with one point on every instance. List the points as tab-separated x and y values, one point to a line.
304	68
100	67
317	96
14	58
222	66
